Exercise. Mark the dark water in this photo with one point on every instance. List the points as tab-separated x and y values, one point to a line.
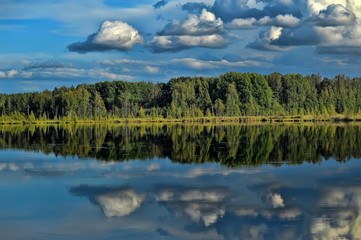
181	182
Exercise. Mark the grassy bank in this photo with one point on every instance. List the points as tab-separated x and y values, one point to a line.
241	119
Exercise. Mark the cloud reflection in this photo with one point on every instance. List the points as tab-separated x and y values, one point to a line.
339	215
114	202
200	205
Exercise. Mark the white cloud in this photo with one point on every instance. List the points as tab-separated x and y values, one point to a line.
287	20
118	35
200	64
344	220
274	33
112	35
12	73
2	74
2	166
68	72
153	167
264	41
13	167
112	76
204	31
276	200
255	4
205	24
204	195
240	23
178	43
207	213
335	15
201	205
315	6
151	70
120	203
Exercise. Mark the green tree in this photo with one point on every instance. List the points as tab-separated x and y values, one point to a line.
232	108
219	107
141	113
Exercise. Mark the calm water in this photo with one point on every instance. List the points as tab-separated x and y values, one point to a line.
181	182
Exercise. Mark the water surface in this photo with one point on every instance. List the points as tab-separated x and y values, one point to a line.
180	182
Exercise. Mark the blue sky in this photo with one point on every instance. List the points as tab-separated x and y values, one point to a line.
46	44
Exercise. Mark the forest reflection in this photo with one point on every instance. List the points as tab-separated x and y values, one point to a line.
229	145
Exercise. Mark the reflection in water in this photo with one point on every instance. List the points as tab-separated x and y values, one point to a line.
231	145
339	215
201	205
113	202
151	197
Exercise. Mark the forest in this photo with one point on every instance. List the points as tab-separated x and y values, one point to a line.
230	94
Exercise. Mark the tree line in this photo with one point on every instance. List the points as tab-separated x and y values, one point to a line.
230	94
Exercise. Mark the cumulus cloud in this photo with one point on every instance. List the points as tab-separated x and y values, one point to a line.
12	73
240	23
344	221
160	4
151	70
304	35
332	27
205	212
112	35
266	38
316	6
276	200
334	15
2	166
13	167
119	203
179	43
287	21
114	202
205	24
196	31
340	39
2	74
283	39
200	205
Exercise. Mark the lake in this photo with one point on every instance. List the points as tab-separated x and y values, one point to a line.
257	181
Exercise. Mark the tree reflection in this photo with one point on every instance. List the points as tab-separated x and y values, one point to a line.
230	145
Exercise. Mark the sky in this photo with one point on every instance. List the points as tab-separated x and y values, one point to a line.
46	44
